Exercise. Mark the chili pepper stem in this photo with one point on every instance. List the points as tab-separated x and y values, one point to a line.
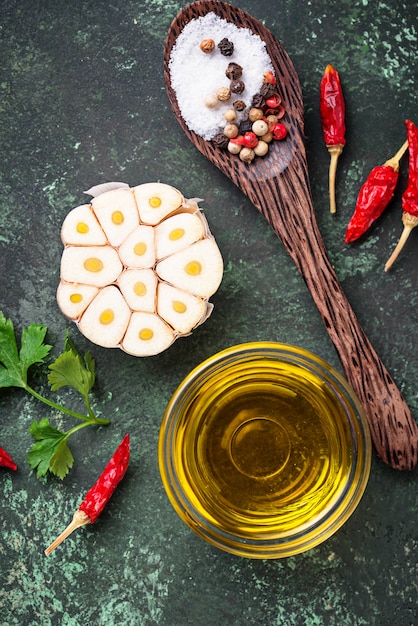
394	161
409	222
335	152
80	519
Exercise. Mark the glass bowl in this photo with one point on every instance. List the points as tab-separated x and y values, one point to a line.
264	450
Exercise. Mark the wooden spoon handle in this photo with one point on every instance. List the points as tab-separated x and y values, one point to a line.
288	209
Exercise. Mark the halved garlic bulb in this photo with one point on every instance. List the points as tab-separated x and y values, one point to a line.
138	268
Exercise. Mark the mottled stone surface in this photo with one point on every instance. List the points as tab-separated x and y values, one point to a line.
83	102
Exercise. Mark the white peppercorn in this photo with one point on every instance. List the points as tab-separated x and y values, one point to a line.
211	101
223	94
230	115
247	155
234	148
261	148
267	137
231	131
260	128
271	120
255	114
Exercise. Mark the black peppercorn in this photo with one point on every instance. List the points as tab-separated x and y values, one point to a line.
257	101
237	86
267	90
226	47
245	126
239	105
220	141
233	71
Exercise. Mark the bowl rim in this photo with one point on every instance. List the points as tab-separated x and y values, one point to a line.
306	536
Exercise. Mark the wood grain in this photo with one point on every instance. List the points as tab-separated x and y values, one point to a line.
278	186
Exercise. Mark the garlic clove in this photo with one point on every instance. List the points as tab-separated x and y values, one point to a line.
177	232
105	320
90	265
138	249
198	269
117	213
181	310
74	298
139	288
81	228
156	201
147	335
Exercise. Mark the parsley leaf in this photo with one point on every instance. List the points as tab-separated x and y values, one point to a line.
14	365
50	452
69	370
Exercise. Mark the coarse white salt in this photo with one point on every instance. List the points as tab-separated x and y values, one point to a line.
196	75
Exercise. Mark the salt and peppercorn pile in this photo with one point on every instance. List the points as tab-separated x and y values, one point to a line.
248	131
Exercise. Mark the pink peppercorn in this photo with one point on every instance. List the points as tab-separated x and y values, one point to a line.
274	101
279	131
269	77
250	140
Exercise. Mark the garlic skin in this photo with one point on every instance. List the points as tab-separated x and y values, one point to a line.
138	267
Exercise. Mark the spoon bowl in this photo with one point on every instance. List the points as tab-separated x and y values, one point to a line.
278	186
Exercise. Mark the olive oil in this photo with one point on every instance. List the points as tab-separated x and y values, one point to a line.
266	444
264	450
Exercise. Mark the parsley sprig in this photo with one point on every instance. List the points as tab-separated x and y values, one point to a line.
50	452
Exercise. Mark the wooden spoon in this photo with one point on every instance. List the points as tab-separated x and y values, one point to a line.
278	186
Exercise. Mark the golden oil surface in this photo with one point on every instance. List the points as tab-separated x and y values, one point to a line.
263	450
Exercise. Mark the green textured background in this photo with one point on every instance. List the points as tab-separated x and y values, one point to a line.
83	102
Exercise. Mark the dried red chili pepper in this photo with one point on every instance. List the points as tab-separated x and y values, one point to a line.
98	496
410	195
6	460
374	196
332	114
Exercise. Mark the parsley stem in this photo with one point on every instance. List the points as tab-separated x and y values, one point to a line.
74	429
88	419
